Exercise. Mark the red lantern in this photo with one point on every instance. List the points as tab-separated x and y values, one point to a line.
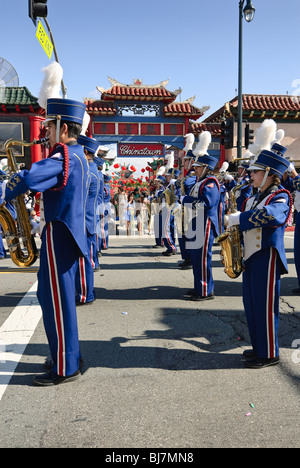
143	170
116	166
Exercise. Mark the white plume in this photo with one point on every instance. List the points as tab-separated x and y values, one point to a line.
278	136
160	171
51	83
85	123
4	165
264	136
248	154
3	162
190	138
224	167
170	163
203	144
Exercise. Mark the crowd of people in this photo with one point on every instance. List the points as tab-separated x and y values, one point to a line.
188	210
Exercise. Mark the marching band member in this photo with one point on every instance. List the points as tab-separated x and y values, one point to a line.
167	214
291	182
107	212
245	187
63	179
156	209
100	206
263	224
3	175
204	198
84	280
186	184
224	197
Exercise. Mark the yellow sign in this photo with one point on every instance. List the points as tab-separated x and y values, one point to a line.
44	40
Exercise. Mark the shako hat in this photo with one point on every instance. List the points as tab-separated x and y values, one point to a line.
65	109
278	149
90	144
270	162
206	160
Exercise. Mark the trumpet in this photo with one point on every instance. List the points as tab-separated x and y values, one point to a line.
20	242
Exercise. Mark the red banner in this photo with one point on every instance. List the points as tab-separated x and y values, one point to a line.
146	150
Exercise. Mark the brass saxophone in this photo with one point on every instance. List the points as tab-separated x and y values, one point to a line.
230	242
20	242
170	196
179	212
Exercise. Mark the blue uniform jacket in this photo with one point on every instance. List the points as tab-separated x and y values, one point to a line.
92	200
207	191
67	205
264	226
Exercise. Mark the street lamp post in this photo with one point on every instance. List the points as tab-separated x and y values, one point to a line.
248	12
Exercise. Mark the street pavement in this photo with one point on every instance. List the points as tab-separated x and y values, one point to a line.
160	371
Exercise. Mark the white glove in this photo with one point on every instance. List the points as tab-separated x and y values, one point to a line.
228	177
2	199
234	219
290	168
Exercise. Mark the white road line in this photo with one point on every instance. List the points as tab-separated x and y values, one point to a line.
15	335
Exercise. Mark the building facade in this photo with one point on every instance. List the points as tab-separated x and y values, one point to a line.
283	109
21	118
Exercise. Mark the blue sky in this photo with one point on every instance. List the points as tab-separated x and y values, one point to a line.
192	43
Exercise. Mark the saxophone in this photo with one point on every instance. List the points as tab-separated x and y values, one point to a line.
230	242
170	196
20	242
179	212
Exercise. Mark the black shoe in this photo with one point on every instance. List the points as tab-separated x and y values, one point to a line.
51	378
191	292
296	291
197	297
78	304
186	266
168	253
260	363
249	354
96	269
156	246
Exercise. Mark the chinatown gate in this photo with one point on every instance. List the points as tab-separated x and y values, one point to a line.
142	121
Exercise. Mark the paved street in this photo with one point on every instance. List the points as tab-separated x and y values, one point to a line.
159	370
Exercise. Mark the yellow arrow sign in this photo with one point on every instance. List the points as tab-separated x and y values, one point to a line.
44	40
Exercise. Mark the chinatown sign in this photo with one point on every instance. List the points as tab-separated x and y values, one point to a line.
141	150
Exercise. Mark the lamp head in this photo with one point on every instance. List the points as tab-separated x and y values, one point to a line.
249	11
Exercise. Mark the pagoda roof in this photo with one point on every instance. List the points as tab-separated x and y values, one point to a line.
137	91
174	109
18	99
260	106
98	107
213	128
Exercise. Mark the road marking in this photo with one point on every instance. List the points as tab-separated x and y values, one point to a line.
16	333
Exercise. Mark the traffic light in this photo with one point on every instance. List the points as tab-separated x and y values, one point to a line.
249	136
37	9
227	128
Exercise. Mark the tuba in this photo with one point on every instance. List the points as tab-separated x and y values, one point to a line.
20	241
230	242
